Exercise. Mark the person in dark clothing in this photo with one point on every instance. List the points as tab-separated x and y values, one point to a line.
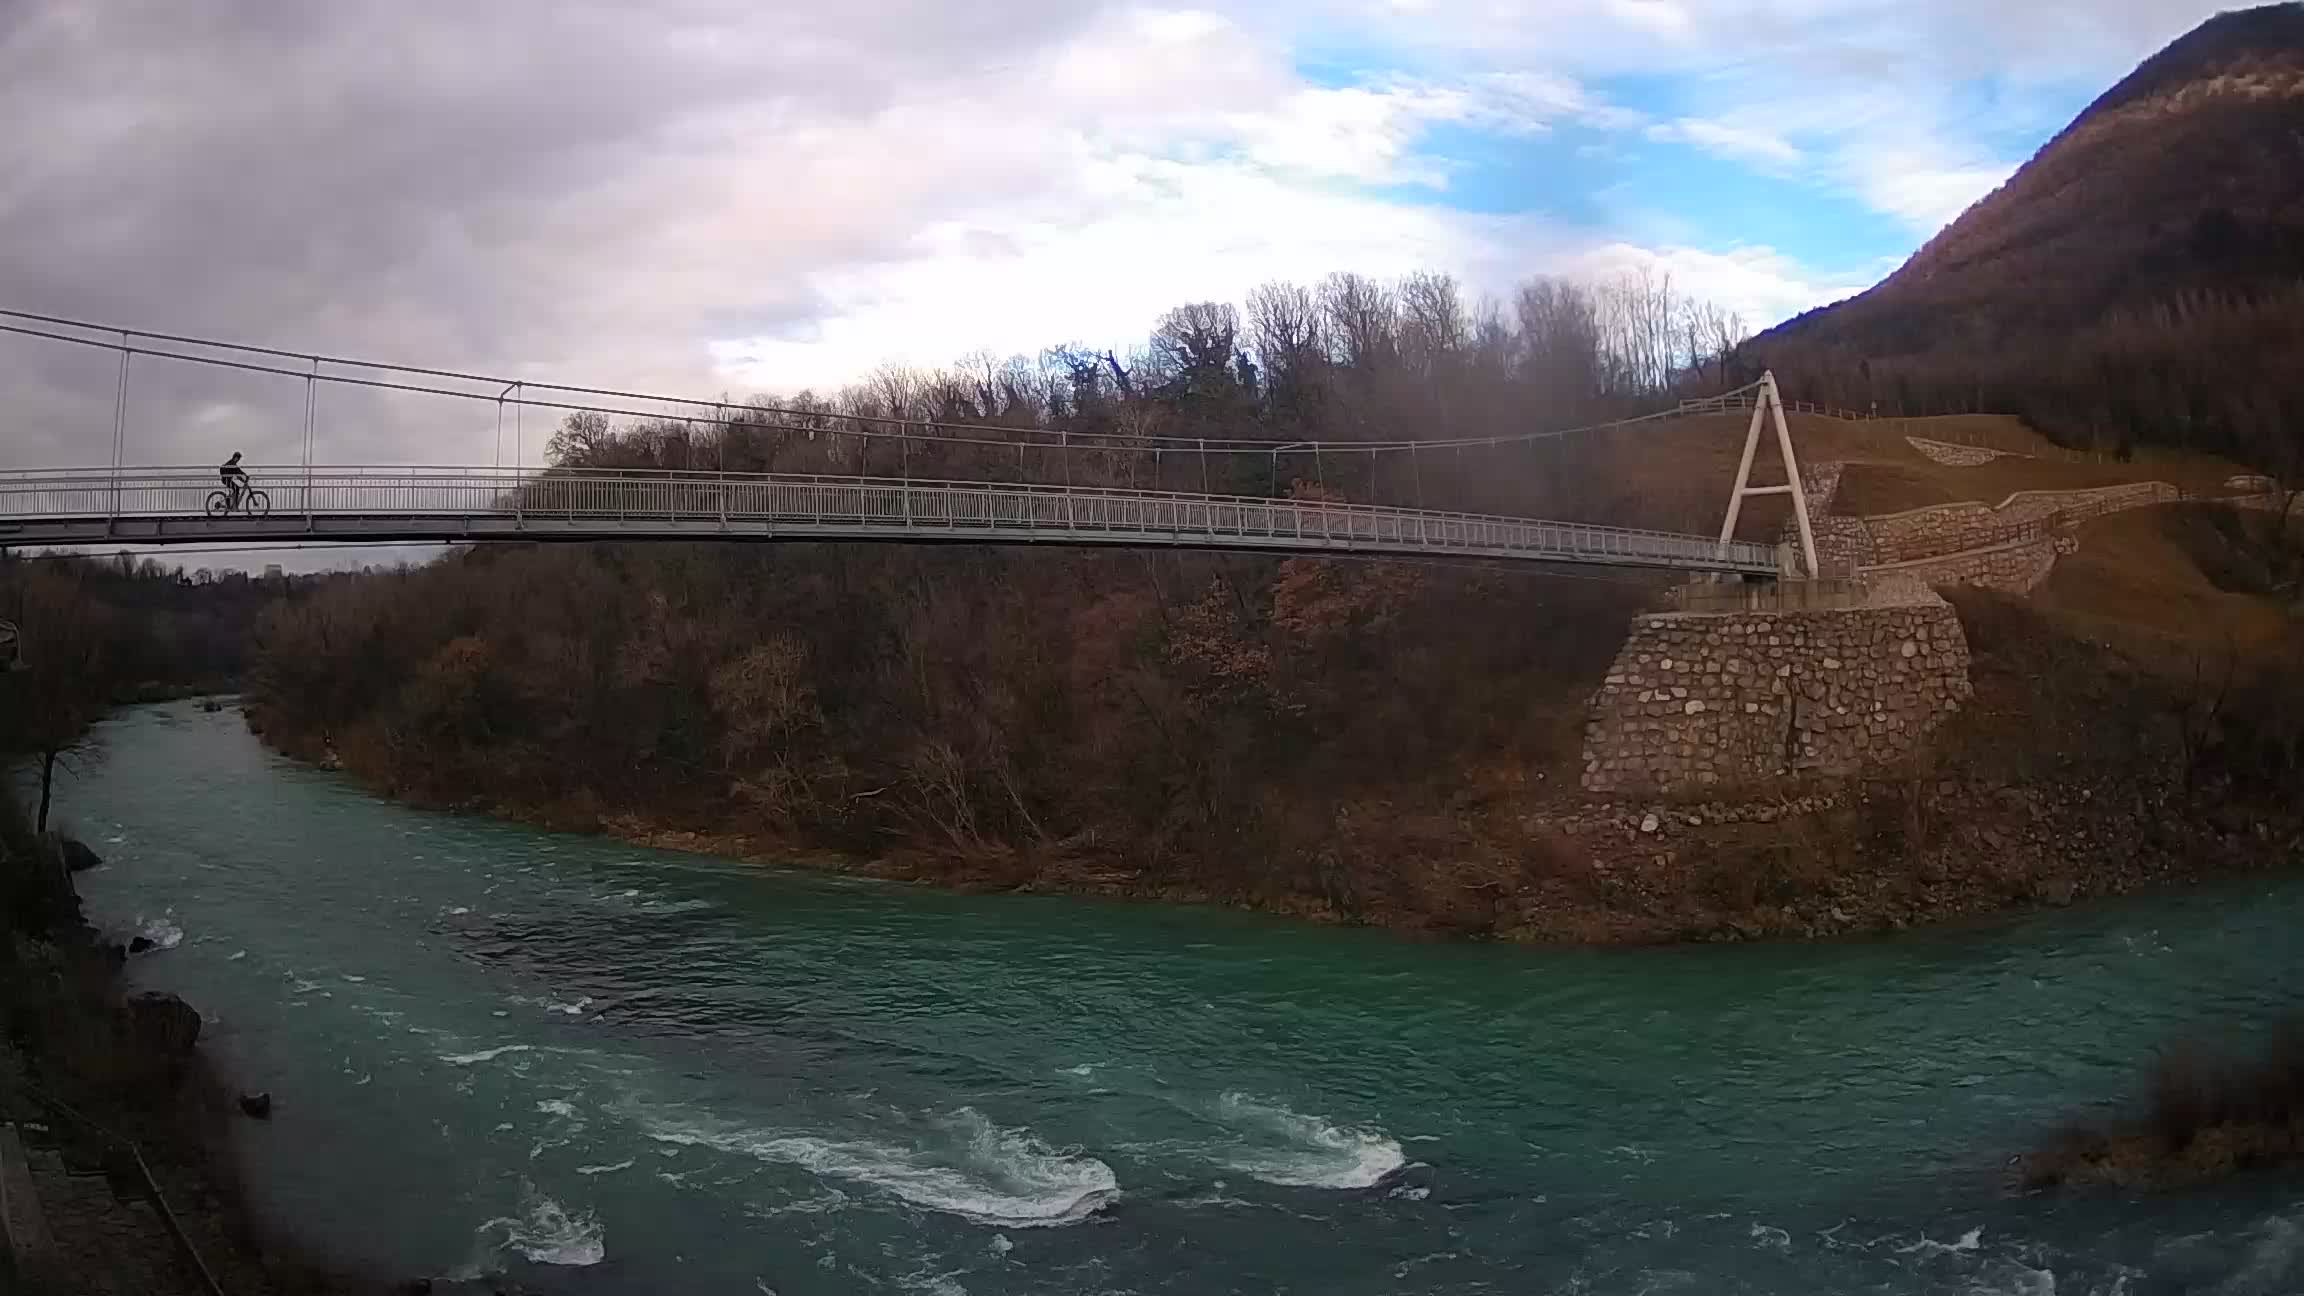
235	478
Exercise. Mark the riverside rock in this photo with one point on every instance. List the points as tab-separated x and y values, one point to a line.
165	1024
78	856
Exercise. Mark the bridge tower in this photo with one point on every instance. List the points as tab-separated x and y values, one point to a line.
1768	406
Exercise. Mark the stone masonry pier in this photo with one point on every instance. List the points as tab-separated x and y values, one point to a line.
1698	701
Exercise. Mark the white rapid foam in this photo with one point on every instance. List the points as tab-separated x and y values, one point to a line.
571	1007
831	1199
980	1172
485	1055
546	1233
605	1169
162	931
1214	1196
1311	1153
1969	1241
930	1282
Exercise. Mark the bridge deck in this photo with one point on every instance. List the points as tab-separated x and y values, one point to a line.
167	506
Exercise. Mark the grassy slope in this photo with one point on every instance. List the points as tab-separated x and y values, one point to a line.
1890	476
2167	585
1675	476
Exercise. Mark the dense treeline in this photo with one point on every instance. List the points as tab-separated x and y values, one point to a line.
92	633
1158	713
1349	360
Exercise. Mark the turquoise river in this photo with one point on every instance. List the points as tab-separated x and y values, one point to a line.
602	1069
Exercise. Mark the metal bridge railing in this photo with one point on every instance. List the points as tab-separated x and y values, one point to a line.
449	501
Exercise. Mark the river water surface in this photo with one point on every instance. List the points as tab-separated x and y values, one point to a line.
605	1070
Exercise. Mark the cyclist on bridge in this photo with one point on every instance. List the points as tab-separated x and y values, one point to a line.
235	479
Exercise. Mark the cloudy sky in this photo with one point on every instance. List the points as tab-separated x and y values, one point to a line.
723	195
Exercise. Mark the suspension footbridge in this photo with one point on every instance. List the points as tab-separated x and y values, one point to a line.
1075	488
169	506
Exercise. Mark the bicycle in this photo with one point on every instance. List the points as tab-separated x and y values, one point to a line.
250	502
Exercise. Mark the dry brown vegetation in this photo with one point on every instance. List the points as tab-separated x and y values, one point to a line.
2205	1115
1197	724
1368	742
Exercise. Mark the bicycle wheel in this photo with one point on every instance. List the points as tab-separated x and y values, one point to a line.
219	503
258	504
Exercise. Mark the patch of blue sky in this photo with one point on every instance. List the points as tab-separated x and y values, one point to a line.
1623	186
2011	121
1679	194
1334	67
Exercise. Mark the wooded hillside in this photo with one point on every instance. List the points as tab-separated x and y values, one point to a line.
2141	280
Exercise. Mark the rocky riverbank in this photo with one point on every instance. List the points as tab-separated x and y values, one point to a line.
125	1129
1811	861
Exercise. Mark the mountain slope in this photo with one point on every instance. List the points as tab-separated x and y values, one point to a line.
2142	278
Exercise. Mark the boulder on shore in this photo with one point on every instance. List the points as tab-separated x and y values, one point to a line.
78	857
162	1023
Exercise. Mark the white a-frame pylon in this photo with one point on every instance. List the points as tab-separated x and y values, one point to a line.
1769	405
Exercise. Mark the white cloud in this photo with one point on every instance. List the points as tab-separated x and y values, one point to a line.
614	194
631	205
1762	284
1662	17
1925	194
1371	133
1751	144
1186	233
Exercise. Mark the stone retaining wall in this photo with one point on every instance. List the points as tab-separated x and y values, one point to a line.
1843	544
1951	528
2014	568
1821	482
1700	700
